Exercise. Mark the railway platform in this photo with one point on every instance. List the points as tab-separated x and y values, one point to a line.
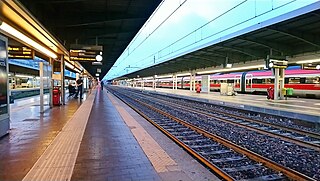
99	138
298	108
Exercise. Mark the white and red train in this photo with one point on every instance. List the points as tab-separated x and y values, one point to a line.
306	83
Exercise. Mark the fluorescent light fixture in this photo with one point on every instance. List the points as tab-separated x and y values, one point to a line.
11	31
146	78
23	76
318	67
164	76
308	61
97	75
183	74
69	65
231	69
100	53
229	65
99	58
96	63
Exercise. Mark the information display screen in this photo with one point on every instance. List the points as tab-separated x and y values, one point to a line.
3	79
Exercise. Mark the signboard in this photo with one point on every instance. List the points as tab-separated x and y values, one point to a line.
20	53
273	61
310	66
84	52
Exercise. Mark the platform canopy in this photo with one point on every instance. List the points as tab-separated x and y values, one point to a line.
293	37
110	24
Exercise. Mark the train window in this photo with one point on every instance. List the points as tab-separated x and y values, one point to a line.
294	80
312	80
286	80
302	80
257	81
230	81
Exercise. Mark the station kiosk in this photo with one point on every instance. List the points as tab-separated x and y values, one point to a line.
4	88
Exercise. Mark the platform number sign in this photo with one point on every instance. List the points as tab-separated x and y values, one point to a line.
3	78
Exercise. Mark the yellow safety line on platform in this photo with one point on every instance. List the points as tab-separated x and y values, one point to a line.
160	160
58	160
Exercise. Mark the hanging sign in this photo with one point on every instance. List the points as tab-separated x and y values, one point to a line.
20	53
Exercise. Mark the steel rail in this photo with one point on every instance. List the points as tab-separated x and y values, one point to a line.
254	156
276	135
290	173
203	160
303	132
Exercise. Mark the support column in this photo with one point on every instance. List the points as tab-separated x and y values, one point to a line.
173	80
176	82
41	87
63	90
51	83
282	78
276	83
194	83
190	82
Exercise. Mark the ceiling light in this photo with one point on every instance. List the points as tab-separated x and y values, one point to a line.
69	65
308	61
100	53
229	65
318	67
99	58
270	64
97	75
11	31
231	69
185	74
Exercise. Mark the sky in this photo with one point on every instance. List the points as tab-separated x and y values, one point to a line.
178	27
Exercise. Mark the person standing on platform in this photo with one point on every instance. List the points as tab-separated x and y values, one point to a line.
80	88
101	84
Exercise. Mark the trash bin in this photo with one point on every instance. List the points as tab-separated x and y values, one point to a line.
284	91
290	91
56	96
11	99
270	93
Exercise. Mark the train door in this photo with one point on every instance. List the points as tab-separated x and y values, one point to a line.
249	83
237	83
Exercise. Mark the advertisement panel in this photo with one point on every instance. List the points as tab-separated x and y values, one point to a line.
3	79
205	83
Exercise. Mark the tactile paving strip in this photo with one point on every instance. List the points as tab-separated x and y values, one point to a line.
160	160
58	161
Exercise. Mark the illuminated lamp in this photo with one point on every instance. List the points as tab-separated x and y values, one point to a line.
99	58
229	65
270	64
97	75
318	67
15	33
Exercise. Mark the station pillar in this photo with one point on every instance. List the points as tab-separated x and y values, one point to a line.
154	84
174	82
63	91
279	77
41	87
4	87
192	81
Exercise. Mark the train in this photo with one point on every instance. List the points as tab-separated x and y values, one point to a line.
305	83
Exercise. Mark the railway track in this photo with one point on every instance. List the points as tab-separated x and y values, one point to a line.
286	134
229	160
301	137
246	120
